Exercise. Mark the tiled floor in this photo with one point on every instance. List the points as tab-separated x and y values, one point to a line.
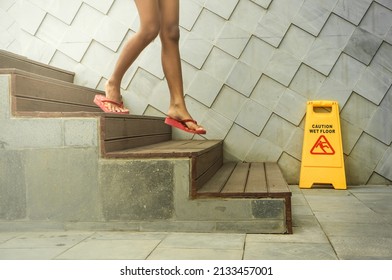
328	225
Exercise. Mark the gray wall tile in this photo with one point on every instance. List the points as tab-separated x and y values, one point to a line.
307	82
378	20
291	106
368	157
282	67
268	92
257	54
372	86
358	111
384	166
253	116
347	70
229	103
379	126
363	45
243	78
352	10
313	15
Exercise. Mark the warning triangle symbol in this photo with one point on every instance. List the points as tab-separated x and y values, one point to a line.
322	147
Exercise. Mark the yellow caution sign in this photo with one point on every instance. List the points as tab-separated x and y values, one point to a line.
322	152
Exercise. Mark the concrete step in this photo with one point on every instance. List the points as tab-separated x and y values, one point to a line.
11	60
205	156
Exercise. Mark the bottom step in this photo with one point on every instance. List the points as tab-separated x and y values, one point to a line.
249	180
44	188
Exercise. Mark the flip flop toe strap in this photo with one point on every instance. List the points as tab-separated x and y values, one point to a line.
192	121
187	120
121	104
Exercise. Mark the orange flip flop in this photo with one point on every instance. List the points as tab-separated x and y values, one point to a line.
100	100
182	125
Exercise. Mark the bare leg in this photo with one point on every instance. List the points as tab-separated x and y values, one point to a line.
171	61
149	29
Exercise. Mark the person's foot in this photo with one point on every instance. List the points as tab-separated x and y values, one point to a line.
113	93
182	114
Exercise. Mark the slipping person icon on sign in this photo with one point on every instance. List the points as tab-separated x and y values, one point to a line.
322	147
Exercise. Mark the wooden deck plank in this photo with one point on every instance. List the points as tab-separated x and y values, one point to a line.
34	93
29	86
260	180
216	184
197	144
35	105
201	180
205	160
250	180
164	149
256	179
115	148
275	180
237	180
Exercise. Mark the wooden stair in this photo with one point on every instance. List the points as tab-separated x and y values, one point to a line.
41	91
248	180
10	60
121	136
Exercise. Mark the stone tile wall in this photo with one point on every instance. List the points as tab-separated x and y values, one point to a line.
249	67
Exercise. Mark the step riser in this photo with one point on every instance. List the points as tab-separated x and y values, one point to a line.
125	133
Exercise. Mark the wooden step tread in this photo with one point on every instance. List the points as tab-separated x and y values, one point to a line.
246	180
11	60
31	93
34	95
168	149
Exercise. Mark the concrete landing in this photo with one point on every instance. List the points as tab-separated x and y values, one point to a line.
321	232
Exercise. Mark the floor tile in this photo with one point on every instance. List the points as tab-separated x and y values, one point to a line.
34	240
301	210
357	229
30	253
289	251
356	248
354	224
378	202
110	250
128	235
350	217
307	233
5	236
204	241
321	203
195	254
